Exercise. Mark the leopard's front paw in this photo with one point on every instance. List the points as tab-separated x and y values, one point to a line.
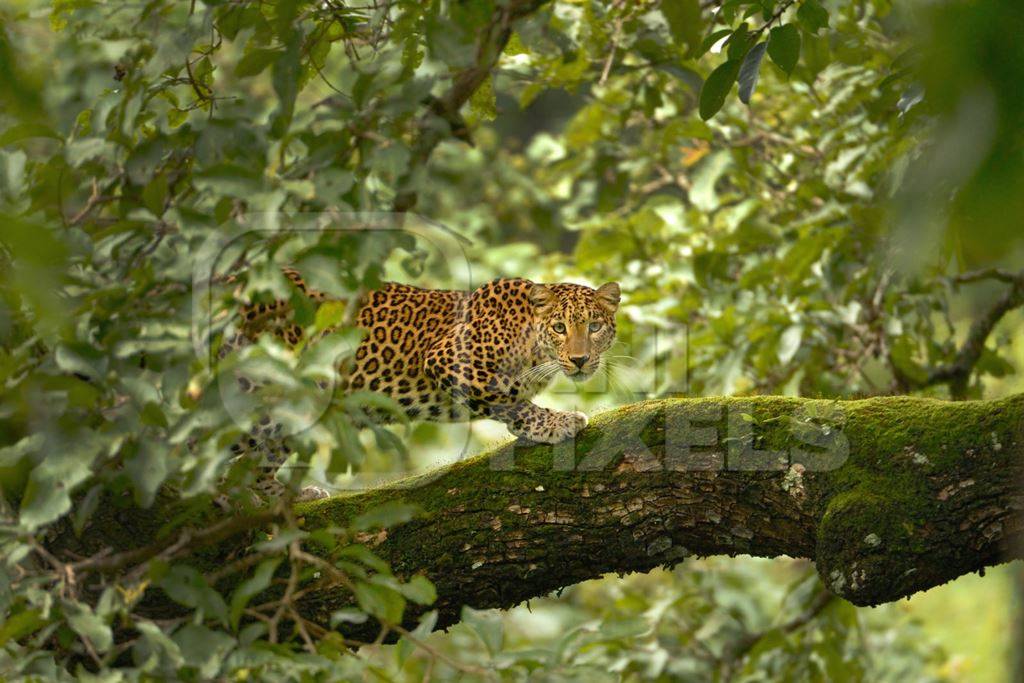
553	427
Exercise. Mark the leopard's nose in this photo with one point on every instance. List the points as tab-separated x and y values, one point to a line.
579	361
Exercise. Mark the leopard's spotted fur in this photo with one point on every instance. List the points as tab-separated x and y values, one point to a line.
447	355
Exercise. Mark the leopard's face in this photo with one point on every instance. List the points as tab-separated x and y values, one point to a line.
575	324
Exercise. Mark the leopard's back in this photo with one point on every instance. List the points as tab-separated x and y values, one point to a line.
412	334
402	324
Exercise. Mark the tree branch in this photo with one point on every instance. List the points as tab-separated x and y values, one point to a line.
957	373
888	496
897	495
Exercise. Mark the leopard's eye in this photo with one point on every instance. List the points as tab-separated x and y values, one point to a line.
596	326
559	328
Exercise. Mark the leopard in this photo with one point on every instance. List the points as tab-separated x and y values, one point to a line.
454	355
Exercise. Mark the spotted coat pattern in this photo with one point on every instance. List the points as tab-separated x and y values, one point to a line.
448	355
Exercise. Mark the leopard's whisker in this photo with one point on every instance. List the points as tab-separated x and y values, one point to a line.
618	385
538	372
527	373
549	371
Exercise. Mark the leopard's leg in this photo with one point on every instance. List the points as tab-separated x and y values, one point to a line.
542	425
265	445
264	442
499	396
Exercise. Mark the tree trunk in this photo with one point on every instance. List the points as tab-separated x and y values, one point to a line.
888	496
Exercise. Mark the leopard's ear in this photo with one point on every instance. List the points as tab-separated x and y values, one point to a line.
541	297
608	295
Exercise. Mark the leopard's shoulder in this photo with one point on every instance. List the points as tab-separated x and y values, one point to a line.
503	299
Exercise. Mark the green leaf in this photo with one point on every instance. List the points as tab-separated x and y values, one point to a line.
153	415
382	602
420	590
303	308
482	103
812	15
187	586
804	253
48	493
991	363
329	314
176	117
147	467
789	343
386	515
229	179
255	62
286	73
784	47
84	507
716	87
87	624
24	131
362	400
204	649
12	455
749	71
20	625
713	38
154	195
251	587
684	23
81	359
901	352
62	9
154	642
332	183
488	625
423	629
348	615
706	177
739	43
363	554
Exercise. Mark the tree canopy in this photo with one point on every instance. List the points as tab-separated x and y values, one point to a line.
808	198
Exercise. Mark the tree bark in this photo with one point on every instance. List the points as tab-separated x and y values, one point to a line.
888	496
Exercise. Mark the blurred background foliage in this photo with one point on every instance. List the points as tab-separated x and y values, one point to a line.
803	197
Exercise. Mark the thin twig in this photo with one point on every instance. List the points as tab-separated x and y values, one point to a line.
438	654
957	373
822	600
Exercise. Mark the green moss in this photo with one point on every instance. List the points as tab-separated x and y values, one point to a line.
894	443
902	452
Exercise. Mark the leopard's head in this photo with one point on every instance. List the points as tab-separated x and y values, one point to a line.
576	324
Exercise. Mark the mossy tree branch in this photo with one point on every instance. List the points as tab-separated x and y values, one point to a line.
888	496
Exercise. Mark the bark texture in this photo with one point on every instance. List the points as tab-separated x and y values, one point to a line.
888	496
